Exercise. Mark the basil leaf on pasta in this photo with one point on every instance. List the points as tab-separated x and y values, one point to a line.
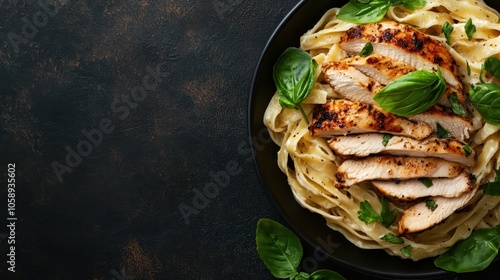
486	99
412	93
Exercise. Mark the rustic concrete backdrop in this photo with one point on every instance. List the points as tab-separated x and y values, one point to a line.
125	121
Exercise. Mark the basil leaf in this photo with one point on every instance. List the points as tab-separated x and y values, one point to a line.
470	29
386	139
468	68
492	65
367	49
475	253
410	4
325	274
431	204
279	248
447	29
406	250
456	107
364	11
391	238
442	133
388	215
426	181
486	99
412	93
293	76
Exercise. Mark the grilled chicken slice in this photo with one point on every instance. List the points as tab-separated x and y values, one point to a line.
385	70
420	217
457	126
342	117
366	144
350	83
408	190
353	171
403	43
380	68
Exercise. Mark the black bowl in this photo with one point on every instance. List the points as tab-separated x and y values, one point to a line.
309	226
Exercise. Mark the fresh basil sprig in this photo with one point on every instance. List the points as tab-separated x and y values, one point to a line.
412	93
475	253
486	99
293	76
370	11
281	251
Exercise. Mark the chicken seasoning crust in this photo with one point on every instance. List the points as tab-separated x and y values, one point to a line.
353	151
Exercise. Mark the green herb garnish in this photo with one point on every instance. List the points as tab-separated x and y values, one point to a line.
368	215
426	182
475	253
391	238
386	139
412	93
293	75
367	49
456	107
470	29
370	11
447	29
467	149
442	133
281	251
486	99
431	204
406	250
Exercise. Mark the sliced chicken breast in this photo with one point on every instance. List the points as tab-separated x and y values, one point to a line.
385	70
408	190
350	83
421	217
459	127
366	144
380	68
403	43
353	171
342	117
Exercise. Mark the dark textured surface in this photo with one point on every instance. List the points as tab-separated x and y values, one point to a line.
162	88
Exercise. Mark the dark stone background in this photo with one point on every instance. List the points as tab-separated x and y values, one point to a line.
116	214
